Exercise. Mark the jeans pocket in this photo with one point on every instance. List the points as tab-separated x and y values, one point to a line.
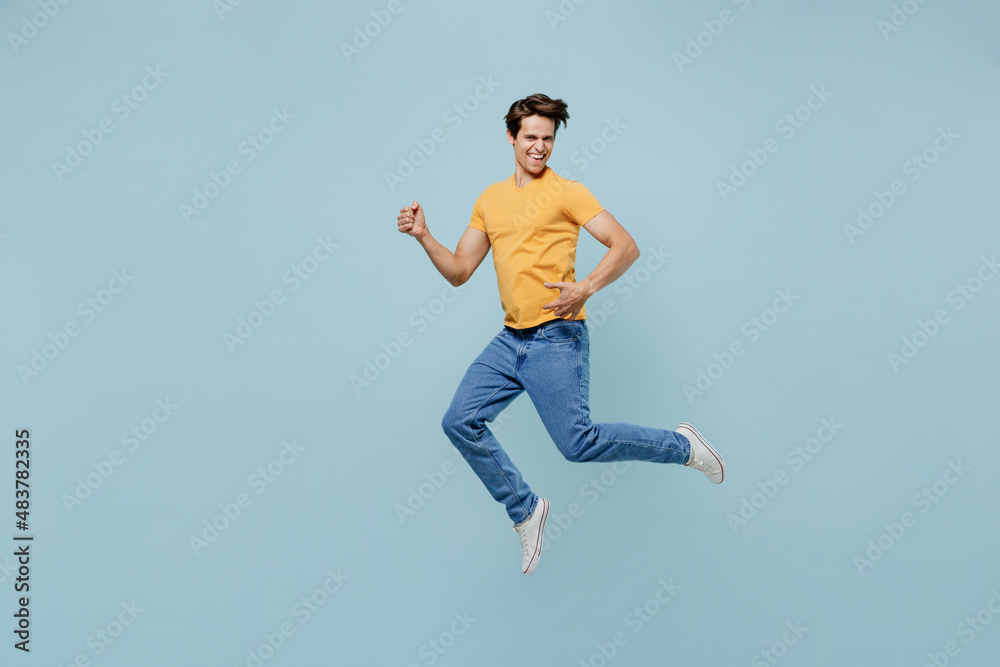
563	331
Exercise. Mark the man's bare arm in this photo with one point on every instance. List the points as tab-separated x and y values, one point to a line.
456	267
622	252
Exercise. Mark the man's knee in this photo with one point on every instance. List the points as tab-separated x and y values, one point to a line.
572	450
456	424
449	423
577	447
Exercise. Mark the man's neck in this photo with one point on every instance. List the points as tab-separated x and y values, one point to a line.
522	177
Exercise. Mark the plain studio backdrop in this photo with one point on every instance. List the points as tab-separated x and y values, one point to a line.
233	367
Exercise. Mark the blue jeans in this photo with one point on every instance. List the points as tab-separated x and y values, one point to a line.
551	362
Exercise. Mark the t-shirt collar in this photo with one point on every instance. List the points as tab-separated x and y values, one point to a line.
513	179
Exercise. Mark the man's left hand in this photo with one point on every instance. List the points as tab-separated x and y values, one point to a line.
572	296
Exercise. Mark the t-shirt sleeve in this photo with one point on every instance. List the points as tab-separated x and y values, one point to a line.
580	205
477	220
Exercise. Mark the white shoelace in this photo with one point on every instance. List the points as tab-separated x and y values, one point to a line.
523	534
703	466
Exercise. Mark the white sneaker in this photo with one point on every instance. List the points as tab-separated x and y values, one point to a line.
531	531
703	455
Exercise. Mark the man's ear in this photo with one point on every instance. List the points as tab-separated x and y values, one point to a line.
510	138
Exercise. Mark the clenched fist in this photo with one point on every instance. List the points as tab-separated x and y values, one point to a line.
411	220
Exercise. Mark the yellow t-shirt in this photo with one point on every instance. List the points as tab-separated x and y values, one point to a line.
533	234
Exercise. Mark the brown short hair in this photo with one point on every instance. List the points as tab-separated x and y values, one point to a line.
536	105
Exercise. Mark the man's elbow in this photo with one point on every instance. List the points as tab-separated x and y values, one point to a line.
632	250
459	278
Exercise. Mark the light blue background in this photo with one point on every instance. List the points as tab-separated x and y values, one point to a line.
335	506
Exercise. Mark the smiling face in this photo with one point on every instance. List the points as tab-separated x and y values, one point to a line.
533	144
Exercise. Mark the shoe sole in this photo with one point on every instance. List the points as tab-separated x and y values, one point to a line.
533	563
718	457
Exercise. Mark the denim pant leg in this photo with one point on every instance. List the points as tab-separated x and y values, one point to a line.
488	387
556	375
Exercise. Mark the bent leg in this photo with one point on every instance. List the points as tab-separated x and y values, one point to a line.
486	389
556	376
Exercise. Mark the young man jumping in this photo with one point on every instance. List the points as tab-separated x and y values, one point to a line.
532	222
